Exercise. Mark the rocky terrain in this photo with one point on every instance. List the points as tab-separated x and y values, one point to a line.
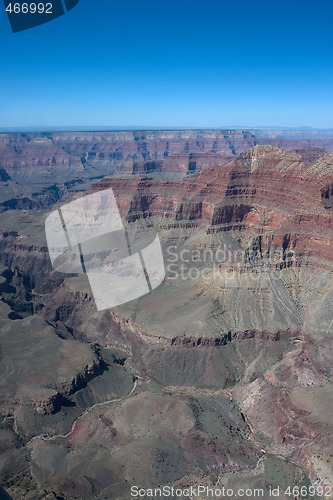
221	376
37	160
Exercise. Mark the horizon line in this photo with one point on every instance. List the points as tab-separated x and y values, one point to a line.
111	128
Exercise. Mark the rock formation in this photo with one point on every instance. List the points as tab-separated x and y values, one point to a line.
223	374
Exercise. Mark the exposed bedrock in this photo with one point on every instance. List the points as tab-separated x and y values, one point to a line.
265	192
327	196
178	153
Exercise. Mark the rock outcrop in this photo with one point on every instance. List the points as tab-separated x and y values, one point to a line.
281	201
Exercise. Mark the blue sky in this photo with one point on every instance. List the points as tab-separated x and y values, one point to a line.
175	63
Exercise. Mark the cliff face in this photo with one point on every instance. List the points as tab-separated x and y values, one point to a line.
77	149
137	152
267	193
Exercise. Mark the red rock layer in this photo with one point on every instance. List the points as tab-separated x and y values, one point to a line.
271	194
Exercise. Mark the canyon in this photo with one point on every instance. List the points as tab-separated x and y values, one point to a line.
223	374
